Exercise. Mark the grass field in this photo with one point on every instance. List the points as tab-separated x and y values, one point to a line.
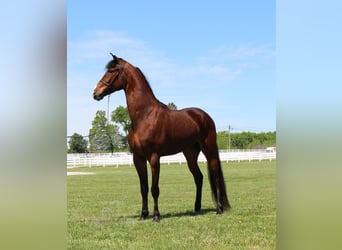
103	210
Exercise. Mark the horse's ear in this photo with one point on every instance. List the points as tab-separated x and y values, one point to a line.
114	58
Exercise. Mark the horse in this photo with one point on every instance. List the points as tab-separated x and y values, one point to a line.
157	131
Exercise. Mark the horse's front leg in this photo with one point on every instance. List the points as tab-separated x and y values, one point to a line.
155	169
140	165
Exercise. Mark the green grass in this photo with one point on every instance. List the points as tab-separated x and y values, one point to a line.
103	210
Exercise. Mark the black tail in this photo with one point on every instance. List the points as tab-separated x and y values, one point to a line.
216	179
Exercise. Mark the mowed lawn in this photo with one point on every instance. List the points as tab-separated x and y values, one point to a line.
103	209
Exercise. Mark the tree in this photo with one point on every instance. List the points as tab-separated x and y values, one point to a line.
114	138
103	136
172	106
77	144
251	140
242	140
222	139
120	116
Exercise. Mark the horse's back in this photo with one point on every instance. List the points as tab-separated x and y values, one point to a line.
191	122
200	117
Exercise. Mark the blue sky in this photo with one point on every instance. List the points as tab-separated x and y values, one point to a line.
215	55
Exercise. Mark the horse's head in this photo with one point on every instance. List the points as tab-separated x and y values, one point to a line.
112	80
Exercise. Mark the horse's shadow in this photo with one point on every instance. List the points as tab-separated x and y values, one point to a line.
188	213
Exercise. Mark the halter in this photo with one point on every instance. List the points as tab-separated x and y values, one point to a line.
120	70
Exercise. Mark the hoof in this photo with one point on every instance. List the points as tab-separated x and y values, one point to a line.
156	217
144	215
196	212
219	211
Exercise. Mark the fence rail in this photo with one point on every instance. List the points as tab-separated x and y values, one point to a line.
118	159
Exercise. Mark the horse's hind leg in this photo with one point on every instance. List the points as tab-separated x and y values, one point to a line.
191	155
141	167
218	187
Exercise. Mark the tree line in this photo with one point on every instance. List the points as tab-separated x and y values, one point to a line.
111	136
246	140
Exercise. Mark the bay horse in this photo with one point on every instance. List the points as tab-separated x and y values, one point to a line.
157	131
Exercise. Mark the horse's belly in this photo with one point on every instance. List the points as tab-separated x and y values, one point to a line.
176	145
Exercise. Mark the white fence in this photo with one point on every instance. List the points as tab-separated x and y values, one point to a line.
117	159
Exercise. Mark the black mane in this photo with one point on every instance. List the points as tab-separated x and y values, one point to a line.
111	64
148	84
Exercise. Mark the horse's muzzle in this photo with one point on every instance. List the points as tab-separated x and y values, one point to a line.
97	97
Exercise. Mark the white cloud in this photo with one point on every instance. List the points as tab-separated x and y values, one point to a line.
217	69
242	52
98	44
248	52
224	64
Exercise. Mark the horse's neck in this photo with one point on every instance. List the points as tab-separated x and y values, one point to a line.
140	98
